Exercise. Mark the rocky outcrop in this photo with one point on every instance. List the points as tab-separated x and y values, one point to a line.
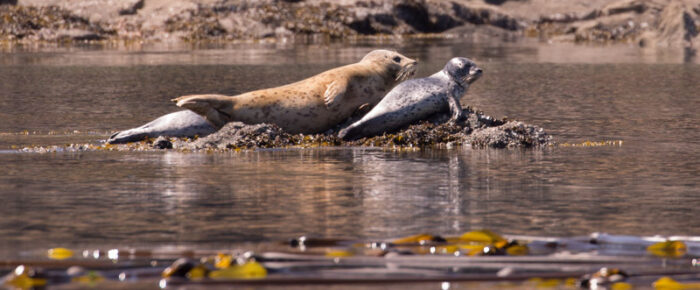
665	23
49	23
669	23
93	10
477	131
196	20
278	19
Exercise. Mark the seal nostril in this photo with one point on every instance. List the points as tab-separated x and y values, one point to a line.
478	71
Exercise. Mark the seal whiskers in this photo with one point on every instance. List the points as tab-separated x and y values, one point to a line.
406	72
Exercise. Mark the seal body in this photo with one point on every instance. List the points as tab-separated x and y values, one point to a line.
312	105
179	124
418	99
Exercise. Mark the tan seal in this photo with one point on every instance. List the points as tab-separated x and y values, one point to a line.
312	105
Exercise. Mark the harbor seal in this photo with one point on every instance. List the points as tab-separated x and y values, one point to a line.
312	105
418	99
184	123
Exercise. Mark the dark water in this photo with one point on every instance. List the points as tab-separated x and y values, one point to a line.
648	99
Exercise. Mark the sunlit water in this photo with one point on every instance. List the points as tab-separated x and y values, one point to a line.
647	186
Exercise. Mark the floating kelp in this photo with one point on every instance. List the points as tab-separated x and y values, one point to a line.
586	261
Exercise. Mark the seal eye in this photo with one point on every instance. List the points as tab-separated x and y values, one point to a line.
397	59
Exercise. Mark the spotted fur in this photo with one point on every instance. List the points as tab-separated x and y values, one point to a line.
418	99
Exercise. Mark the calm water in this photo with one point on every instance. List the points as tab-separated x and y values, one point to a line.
649	185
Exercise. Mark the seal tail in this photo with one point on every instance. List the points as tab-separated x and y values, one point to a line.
214	108
126	136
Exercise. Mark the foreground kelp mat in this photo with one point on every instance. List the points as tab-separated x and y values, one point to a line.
477	258
477	130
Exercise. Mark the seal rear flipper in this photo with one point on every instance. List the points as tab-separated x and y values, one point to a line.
349	133
126	136
214	108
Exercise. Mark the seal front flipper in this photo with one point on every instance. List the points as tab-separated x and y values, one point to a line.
334	92
216	109
455	108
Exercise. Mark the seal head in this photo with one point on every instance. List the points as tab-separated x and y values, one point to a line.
397	65
463	71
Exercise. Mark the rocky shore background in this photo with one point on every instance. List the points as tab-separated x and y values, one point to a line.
666	23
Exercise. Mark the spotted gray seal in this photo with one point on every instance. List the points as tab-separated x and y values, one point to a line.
418	99
179	124
312	105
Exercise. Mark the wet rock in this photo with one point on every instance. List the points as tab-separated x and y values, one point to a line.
162	142
509	135
236	135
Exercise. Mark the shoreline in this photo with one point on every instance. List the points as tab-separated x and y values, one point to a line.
664	23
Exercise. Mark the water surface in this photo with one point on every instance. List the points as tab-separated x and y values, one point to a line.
647	186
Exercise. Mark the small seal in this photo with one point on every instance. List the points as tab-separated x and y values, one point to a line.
179	124
418	99
312	105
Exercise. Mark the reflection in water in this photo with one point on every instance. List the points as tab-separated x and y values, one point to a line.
282	54
101	199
